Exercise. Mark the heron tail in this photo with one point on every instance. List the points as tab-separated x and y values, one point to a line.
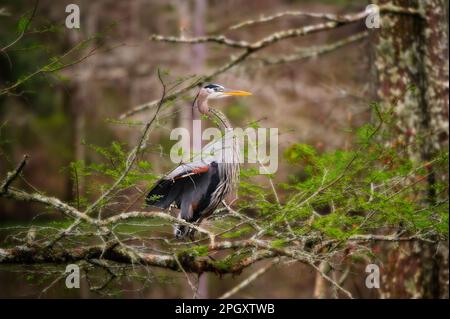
163	194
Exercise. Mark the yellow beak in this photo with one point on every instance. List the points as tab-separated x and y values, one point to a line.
238	93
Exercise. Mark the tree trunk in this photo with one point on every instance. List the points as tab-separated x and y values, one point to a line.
411	51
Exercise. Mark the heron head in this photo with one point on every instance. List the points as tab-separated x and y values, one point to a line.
217	91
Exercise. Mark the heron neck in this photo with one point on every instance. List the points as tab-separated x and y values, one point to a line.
204	108
221	118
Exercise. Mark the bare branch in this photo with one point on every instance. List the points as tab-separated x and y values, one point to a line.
161	215
13	175
314	51
334	283
249	49
134	153
118	254
173	96
394	237
327	16
220	39
53	202
250	279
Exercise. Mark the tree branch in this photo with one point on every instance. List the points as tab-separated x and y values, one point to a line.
314	51
134	153
25	28
249	49
11	176
388	8
116	253
250	279
220	39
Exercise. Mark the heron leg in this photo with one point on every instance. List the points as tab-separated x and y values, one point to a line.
191	234
182	231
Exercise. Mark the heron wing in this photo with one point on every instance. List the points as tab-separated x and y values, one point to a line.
196	167
170	188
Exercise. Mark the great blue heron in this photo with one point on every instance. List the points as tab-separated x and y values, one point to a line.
198	187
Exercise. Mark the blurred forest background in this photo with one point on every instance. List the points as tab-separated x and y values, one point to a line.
54	117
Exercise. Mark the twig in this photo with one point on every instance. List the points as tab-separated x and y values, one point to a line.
13	175
220	39
197	82
314	51
325	276
250	279
394	237
134	153
161	215
25	28
55	65
249	49
194	289
61	276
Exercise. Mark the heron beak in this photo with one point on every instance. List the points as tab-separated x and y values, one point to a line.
237	93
